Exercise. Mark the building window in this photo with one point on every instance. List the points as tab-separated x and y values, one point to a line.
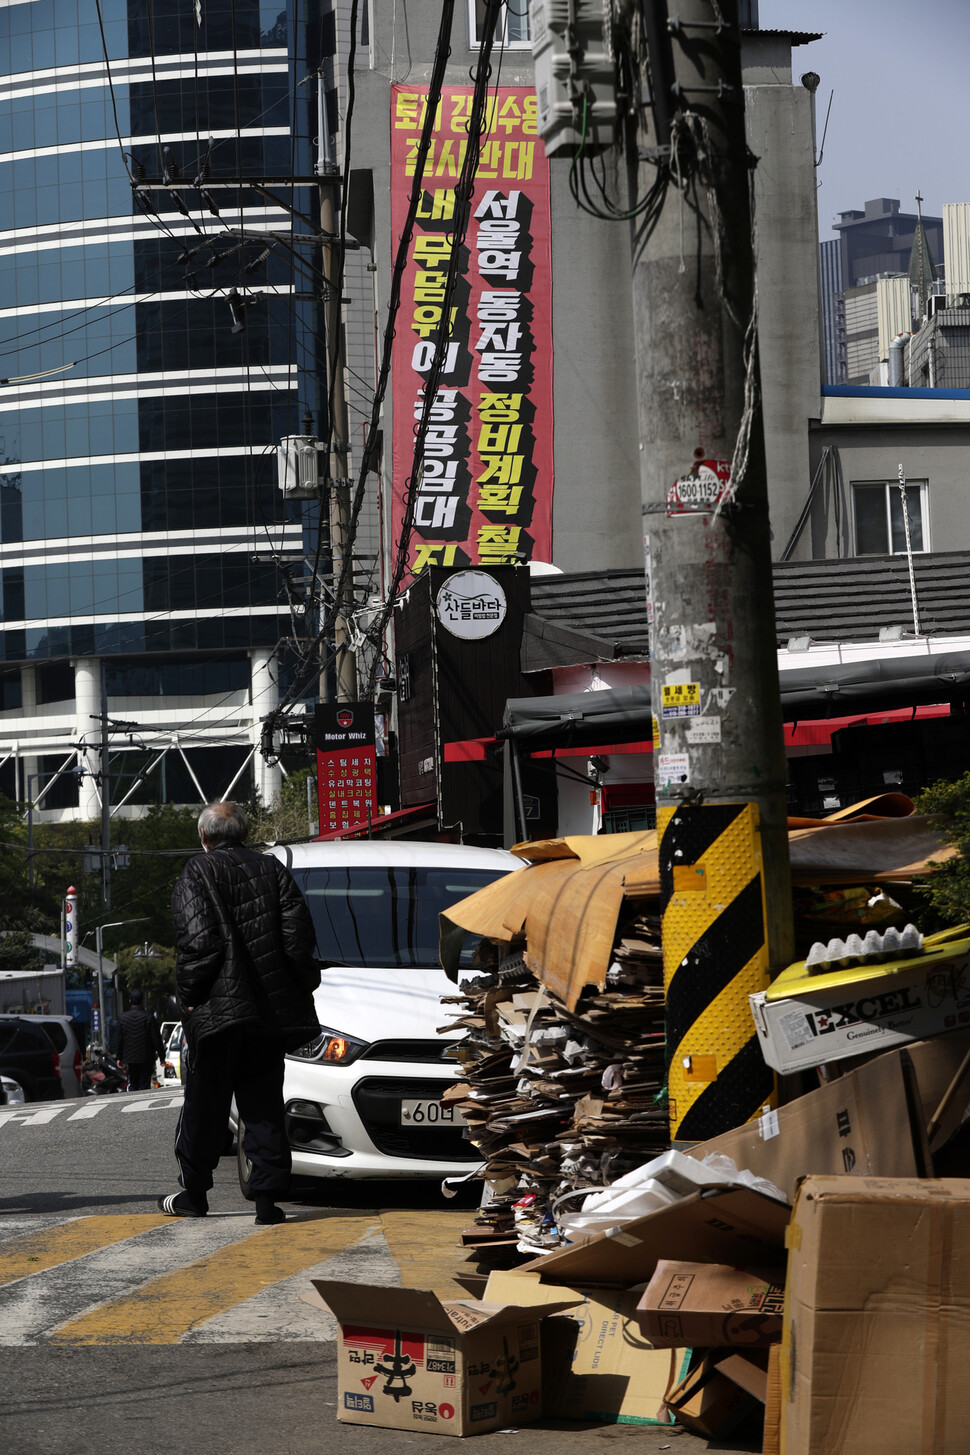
879	527
513	28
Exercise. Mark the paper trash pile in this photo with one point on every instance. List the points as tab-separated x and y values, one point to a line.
803	1277
561	1101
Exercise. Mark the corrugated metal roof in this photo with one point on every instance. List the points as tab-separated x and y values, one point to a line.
848	601
830	601
797	37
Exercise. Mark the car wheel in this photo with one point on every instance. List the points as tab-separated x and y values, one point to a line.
243	1165
18	1087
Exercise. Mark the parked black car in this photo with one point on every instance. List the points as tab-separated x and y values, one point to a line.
28	1059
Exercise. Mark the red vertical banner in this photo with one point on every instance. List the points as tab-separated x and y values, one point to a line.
484	495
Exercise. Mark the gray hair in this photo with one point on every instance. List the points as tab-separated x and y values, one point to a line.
222	823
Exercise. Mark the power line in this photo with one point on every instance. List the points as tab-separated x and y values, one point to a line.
442	52
477	125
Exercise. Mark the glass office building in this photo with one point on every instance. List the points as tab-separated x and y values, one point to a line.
156	342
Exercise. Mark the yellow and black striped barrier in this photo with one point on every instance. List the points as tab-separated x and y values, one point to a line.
715	954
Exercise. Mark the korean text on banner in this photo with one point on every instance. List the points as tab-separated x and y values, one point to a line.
484	494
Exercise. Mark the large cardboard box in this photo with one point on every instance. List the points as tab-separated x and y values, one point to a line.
808	1020
876	1341
407	1361
596	1365
707	1305
720	1225
868	1123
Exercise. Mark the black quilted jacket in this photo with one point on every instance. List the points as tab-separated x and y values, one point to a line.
245	944
139	1039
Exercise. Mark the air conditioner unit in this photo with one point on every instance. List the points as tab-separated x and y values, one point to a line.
936	303
299	466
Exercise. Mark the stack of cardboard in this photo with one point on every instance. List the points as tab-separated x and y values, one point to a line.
561	1101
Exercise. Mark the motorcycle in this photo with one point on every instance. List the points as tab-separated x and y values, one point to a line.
101	1075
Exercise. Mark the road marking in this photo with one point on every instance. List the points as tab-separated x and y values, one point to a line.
33	1306
41	1118
48	1249
148	1279
154	1105
424	1246
163	1310
41	1115
278	1314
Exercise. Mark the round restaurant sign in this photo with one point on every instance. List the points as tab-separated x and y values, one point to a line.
471	605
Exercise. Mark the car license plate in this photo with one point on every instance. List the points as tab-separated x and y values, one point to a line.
430	1114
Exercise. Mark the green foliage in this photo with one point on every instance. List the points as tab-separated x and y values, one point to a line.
948	886
288	818
17	951
154	974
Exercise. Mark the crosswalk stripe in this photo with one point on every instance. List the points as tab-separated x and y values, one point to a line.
38	1251
166	1308
423	1246
278	1314
31	1307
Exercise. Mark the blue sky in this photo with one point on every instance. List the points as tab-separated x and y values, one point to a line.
901	113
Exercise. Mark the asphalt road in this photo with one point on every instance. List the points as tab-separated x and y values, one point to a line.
122	1330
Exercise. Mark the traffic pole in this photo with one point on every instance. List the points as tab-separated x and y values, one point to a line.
718	740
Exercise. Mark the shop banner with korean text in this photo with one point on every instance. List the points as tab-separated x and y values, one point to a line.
484	495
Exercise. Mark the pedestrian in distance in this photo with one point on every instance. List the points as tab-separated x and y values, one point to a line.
245	974
139	1043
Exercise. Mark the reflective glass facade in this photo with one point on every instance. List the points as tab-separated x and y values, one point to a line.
139	509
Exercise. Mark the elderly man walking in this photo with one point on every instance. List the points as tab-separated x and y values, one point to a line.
245	976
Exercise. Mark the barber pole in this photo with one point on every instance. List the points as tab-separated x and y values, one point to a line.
70	927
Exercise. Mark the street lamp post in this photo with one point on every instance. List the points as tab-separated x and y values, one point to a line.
111	925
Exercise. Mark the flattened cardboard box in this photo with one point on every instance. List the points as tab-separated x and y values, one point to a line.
707	1305
407	1361
869	1122
603	1369
876	1342
720	1225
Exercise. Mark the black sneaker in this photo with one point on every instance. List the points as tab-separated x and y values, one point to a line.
267	1213
181	1205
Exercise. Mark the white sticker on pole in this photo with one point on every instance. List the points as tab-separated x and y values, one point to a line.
671	768
704	730
707	485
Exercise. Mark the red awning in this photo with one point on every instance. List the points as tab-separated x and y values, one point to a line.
364	830
797	734
820	730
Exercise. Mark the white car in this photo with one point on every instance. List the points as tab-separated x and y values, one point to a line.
172	1064
363	1100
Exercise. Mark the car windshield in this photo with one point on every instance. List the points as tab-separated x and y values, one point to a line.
386	916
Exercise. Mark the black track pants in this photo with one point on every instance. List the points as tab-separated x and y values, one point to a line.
248	1065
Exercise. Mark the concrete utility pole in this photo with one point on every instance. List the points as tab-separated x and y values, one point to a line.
718	743
105	793
338	482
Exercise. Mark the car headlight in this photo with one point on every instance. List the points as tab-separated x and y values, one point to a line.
330	1046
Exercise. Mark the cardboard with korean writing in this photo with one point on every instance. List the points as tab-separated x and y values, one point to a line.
407	1361
710	1305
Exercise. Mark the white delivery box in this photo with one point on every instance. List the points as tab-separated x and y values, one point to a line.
807	1020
